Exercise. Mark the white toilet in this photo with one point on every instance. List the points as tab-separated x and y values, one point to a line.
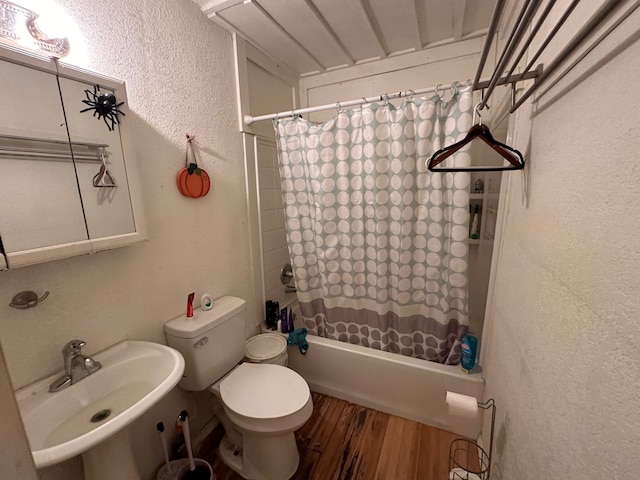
259	404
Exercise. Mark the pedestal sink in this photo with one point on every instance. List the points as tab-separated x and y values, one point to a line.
85	417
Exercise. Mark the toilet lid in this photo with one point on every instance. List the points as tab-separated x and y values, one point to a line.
264	346
264	391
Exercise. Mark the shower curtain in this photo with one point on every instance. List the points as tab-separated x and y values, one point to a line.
378	244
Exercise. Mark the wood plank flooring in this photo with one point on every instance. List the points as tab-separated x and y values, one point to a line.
344	441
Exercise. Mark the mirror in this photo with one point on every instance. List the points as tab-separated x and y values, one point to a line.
107	206
33	172
66	187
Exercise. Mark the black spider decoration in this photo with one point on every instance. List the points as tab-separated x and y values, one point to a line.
104	105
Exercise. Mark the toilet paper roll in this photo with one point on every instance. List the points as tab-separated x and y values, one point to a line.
205	302
462	405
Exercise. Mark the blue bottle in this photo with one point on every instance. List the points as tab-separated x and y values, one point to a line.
469	348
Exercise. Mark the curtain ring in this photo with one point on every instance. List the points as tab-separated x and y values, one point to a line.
338	107
438	87
385	97
410	94
455	88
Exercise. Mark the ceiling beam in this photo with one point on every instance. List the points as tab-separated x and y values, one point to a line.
214	6
230	27
417	44
421	18
330	30
275	23
375	28
458	18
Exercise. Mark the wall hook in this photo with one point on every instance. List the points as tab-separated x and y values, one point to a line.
27	299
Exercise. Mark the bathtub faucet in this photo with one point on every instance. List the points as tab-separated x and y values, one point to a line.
76	366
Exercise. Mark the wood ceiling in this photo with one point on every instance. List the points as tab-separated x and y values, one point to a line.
312	36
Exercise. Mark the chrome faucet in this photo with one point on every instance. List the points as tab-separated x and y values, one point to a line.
76	366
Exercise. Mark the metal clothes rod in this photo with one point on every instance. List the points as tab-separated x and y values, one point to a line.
552	34
593	45
493	27
520	28
534	31
18	147
526	15
17	155
596	20
509	41
248	119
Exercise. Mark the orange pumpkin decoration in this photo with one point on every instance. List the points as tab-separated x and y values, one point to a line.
192	180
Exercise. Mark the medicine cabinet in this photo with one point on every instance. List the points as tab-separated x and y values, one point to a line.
54	200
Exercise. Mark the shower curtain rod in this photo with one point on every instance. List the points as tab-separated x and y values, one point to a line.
520	29
248	119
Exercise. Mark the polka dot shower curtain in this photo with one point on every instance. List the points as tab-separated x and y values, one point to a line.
378	244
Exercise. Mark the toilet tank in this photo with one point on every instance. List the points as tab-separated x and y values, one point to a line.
211	342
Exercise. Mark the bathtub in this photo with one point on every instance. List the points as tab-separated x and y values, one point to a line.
391	383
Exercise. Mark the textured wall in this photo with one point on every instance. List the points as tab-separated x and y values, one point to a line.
564	350
179	74
178	68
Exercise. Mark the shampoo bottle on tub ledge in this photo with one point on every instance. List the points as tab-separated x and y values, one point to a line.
469	347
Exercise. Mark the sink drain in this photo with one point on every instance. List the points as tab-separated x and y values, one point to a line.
101	415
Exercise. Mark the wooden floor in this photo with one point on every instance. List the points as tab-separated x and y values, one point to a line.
344	441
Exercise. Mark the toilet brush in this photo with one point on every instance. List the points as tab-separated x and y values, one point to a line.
170	470
202	471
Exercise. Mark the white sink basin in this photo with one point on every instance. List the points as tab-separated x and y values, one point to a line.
133	377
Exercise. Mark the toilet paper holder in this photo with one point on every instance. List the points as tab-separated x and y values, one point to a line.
462	464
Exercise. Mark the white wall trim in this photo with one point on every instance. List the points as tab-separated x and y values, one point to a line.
505	191
277	69
242	81
253	212
244	52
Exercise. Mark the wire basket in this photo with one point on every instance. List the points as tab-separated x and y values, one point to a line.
467	461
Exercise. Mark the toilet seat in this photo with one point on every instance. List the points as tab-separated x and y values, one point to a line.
264	391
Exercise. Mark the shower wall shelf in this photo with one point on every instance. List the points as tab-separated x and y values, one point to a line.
19	147
487	202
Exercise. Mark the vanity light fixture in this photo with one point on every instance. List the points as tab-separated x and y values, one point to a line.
19	28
